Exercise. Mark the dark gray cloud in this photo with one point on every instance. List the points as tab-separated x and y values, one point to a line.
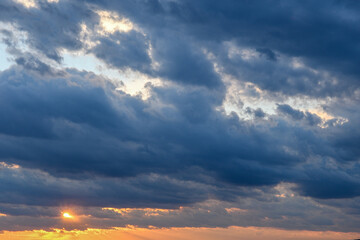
77	127
310	118
60	21
270	55
35	188
131	51
328	183
182	61
321	34
73	113
258	113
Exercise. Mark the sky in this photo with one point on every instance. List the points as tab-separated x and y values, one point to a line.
179	119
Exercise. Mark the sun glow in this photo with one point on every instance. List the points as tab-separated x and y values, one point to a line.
67	215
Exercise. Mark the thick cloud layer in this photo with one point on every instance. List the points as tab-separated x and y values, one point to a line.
77	139
82	127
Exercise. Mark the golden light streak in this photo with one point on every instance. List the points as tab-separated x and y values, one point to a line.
5	165
235	210
147	211
323	115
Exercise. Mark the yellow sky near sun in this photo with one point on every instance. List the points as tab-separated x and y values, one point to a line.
232	233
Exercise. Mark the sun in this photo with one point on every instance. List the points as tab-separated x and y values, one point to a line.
67	215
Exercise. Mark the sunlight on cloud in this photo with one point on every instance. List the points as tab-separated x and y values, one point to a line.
243	95
297	63
133	82
284	190
246	54
32	3
86	36
129	81
10	166
27	3
208	208
321	113
327	117
110	22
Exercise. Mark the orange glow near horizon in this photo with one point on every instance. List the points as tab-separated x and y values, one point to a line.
133	233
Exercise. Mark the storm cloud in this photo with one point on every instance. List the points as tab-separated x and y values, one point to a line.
76	137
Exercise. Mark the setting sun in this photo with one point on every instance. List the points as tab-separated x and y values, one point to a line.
67	215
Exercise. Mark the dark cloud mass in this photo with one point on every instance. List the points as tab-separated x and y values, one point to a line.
130	52
72	137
